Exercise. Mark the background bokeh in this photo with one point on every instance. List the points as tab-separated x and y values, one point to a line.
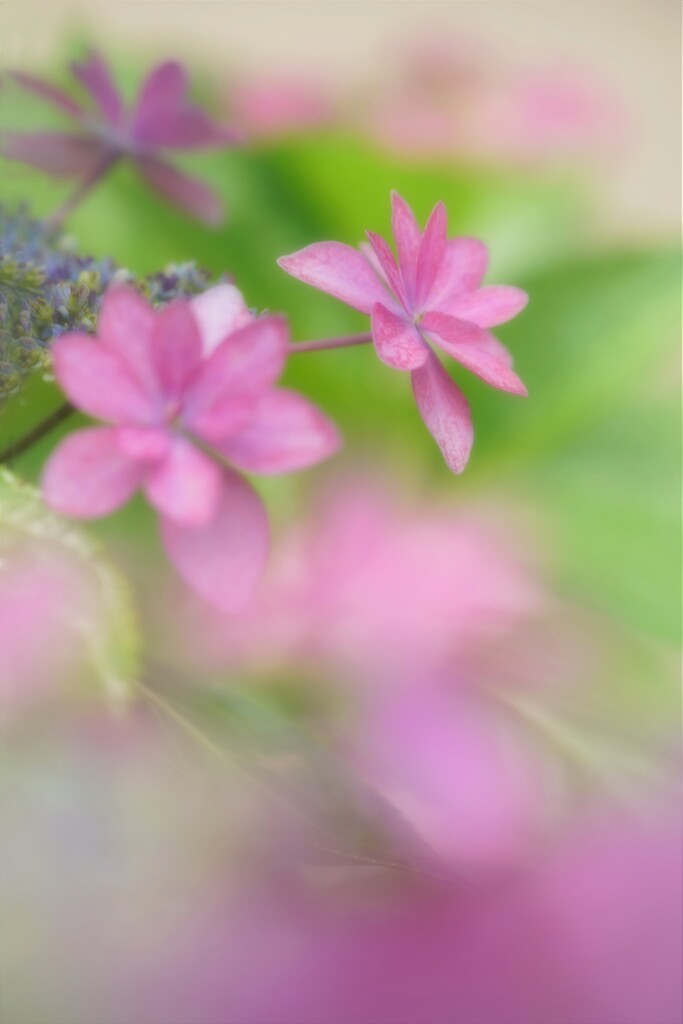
540	590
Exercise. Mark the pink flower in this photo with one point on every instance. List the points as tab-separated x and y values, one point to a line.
161	119
431	294
180	389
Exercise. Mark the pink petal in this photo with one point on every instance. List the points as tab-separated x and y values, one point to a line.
95	381
186	485
176	348
163	116
407	236
95	75
431	253
126	326
55	153
235	377
489	306
286	433
224	559
471	346
339	270
397	342
462	269
450	329
48	92
219	311
190	195
445	412
88	476
390	271
144	444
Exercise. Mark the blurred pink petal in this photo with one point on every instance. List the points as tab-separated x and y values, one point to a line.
95	75
489	306
286	432
48	92
470	785
398	344
471	353
185	486
188	193
165	118
223	559
47	605
219	311
234	377
56	153
88	476
268	107
339	270
445	412
94	380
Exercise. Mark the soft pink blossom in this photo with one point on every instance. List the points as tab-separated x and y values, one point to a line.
162	119
189	397
459	771
589	936
269	107
373	587
430	294
48	609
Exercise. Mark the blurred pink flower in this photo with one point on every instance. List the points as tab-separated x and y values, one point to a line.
181	389
47	608
431	294
374	589
269	107
162	119
457	100
458	770
590	936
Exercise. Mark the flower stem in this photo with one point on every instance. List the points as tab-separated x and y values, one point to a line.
83	189
329	343
12	451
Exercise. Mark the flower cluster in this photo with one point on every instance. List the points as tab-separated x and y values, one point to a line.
184	375
48	289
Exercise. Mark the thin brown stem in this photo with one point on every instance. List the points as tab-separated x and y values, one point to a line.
330	343
83	189
12	451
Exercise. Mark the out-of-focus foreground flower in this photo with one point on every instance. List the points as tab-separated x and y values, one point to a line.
430	294
183	388
161	120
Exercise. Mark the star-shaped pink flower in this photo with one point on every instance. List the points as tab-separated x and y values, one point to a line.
430	294
161	120
189	396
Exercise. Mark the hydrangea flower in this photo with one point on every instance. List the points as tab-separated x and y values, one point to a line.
189	398
161	119
430	294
